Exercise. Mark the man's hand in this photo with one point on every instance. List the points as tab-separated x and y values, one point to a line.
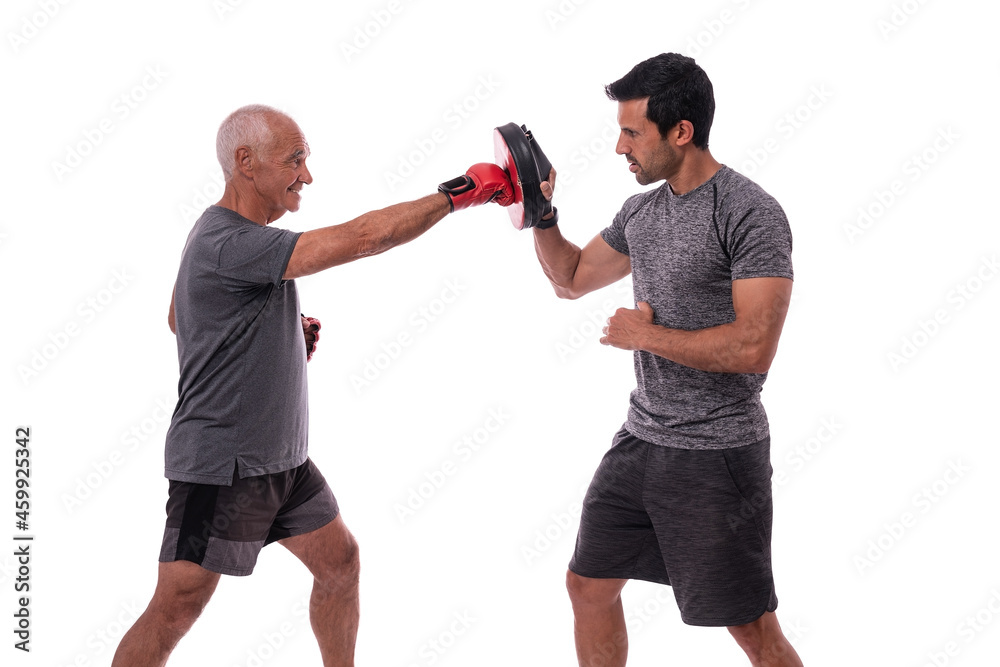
171	315
548	186
548	189
310	329
628	328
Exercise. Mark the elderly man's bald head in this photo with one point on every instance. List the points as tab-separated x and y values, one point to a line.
251	126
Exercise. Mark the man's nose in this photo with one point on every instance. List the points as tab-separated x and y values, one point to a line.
620	147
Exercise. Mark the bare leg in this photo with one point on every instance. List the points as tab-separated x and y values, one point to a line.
765	644
182	591
599	620
331	554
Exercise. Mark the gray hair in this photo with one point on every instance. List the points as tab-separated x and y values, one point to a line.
247	126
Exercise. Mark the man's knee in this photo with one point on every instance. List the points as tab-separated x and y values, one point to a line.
342	567
182	593
183	609
761	638
350	561
588	591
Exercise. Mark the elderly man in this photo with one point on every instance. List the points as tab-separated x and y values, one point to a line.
236	450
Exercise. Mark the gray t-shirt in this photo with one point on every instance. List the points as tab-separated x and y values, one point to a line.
242	391
685	252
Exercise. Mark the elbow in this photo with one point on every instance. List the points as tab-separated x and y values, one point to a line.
759	358
566	293
751	349
566	289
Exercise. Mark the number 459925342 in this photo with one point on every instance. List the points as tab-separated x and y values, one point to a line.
22	476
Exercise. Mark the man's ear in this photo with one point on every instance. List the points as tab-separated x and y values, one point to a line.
684	133
245	161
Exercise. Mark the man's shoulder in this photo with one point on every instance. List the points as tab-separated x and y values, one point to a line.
217	225
215	216
738	190
639	200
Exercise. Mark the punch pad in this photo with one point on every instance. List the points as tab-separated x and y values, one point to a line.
517	153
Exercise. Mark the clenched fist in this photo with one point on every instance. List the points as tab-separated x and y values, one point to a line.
310	329
627	327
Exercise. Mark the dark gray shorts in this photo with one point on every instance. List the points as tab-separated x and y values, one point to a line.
223	528
696	520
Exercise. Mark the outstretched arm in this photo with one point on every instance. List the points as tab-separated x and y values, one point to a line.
369	234
745	345
375	232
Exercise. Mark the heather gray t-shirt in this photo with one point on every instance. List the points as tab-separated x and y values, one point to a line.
242	389
685	252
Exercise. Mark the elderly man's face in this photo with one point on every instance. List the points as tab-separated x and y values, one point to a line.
280	170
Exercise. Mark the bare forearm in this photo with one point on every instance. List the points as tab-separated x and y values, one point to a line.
745	345
369	234
401	223
727	348
559	259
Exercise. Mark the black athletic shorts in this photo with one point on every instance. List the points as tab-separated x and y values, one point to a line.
223	528
696	520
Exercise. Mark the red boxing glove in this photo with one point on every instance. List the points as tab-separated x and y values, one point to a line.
482	183
310	329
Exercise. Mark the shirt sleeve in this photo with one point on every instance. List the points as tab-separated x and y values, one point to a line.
614	234
256	255
761	243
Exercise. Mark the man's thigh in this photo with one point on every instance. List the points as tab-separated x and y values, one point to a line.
326	551
616	539
223	528
712	514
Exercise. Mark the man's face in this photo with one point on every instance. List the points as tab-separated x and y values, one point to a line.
280	168
651	157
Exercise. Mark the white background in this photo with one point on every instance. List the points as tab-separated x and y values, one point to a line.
857	434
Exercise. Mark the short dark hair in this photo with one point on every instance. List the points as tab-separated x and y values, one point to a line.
677	89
